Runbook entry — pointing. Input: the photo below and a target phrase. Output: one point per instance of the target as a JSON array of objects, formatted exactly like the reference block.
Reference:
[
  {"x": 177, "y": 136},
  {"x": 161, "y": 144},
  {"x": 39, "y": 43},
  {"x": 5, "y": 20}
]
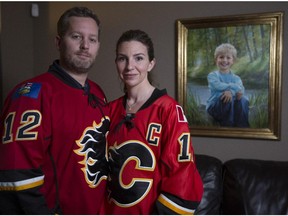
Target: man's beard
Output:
[{"x": 75, "y": 65}]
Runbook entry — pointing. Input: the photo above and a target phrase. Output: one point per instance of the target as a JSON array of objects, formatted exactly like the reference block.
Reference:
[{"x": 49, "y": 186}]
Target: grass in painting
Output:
[{"x": 258, "y": 111}]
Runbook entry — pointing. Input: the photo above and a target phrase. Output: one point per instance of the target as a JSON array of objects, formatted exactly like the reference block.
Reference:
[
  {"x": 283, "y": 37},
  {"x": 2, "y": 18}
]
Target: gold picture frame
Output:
[{"x": 197, "y": 40}]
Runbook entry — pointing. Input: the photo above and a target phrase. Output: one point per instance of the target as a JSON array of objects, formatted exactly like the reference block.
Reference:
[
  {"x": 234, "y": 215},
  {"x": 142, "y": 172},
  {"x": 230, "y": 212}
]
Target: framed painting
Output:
[{"x": 229, "y": 75}]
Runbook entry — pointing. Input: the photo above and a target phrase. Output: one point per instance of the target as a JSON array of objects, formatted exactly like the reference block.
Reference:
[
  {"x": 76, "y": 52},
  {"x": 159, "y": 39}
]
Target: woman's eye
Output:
[
  {"x": 139, "y": 58},
  {"x": 120, "y": 59}
]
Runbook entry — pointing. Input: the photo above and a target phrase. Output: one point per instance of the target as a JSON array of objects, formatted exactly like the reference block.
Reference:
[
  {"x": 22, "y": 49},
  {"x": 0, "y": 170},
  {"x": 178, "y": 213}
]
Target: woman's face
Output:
[{"x": 132, "y": 62}]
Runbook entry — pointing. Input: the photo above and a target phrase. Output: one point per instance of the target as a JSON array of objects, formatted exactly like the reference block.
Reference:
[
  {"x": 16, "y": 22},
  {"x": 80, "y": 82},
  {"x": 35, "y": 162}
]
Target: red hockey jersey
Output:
[
  {"x": 152, "y": 160},
  {"x": 53, "y": 147}
]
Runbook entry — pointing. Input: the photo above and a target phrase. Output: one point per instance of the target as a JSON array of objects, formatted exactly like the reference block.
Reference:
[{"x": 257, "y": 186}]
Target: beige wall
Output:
[{"x": 28, "y": 48}]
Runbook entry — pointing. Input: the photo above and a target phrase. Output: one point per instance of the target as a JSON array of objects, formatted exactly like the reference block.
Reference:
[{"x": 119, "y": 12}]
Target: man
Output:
[{"x": 53, "y": 129}]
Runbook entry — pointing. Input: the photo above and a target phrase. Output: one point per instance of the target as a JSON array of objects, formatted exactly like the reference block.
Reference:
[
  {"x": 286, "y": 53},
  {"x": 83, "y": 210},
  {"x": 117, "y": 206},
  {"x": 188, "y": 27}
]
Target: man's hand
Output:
[{"x": 226, "y": 96}]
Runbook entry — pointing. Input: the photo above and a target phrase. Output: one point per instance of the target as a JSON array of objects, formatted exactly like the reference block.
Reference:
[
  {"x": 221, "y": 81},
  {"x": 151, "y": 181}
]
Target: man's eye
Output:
[
  {"x": 93, "y": 40},
  {"x": 76, "y": 37}
]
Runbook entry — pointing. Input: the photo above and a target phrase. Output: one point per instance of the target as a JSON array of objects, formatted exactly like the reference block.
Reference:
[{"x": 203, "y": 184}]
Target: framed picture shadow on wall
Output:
[{"x": 229, "y": 75}]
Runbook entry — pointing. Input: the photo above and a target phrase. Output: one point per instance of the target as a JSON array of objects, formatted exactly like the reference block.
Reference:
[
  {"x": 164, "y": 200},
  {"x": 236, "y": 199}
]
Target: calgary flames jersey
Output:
[
  {"x": 52, "y": 152},
  {"x": 152, "y": 160}
]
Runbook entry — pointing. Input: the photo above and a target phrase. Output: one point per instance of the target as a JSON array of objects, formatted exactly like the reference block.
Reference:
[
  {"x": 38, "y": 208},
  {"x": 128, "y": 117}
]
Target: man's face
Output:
[{"x": 79, "y": 46}]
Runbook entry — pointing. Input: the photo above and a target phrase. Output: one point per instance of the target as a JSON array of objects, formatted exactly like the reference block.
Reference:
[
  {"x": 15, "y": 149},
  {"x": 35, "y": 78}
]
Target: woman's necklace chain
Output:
[
  {"x": 139, "y": 101},
  {"x": 131, "y": 106}
]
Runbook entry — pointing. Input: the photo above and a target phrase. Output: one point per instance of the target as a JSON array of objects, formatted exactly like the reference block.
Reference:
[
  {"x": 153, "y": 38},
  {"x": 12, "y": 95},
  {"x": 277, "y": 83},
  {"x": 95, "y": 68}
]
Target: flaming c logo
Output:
[{"x": 92, "y": 147}]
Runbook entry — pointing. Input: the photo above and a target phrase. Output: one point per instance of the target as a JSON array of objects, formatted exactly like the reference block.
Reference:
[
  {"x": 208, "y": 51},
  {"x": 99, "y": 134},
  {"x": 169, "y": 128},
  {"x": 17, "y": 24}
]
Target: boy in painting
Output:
[{"x": 227, "y": 104}]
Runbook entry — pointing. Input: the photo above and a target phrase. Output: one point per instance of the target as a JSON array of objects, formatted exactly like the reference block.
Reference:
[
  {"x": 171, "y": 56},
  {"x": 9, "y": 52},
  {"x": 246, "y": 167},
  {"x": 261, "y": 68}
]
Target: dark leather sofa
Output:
[{"x": 243, "y": 186}]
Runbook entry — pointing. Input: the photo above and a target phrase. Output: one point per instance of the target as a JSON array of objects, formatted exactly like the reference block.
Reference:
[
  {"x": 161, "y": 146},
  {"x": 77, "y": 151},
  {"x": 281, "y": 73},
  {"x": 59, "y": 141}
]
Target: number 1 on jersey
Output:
[{"x": 184, "y": 142}]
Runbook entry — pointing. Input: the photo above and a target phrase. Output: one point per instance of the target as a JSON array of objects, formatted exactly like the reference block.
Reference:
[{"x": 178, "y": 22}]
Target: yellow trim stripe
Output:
[
  {"x": 22, "y": 185},
  {"x": 174, "y": 207}
]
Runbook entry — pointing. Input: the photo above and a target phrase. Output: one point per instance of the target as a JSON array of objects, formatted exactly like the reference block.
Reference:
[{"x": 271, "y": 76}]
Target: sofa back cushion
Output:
[
  {"x": 255, "y": 187},
  {"x": 210, "y": 169}
]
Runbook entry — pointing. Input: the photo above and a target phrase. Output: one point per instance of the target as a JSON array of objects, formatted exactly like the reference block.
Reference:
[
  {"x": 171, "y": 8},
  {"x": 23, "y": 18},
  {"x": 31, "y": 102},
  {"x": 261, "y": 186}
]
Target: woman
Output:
[{"x": 150, "y": 151}]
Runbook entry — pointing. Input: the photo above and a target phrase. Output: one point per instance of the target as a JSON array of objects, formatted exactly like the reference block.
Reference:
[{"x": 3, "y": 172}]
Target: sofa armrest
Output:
[{"x": 210, "y": 170}]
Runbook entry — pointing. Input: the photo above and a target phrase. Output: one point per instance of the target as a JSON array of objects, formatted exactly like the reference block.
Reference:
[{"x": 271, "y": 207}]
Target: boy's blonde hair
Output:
[{"x": 224, "y": 49}]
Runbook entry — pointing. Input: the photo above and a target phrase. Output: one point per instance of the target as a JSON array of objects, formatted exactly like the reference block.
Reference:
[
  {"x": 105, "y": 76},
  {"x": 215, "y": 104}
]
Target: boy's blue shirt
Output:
[{"x": 219, "y": 82}]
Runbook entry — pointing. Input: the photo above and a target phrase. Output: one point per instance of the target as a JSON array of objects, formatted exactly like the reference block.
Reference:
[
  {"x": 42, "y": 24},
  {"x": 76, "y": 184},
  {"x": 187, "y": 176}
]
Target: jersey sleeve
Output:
[
  {"x": 181, "y": 188},
  {"x": 21, "y": 152}
]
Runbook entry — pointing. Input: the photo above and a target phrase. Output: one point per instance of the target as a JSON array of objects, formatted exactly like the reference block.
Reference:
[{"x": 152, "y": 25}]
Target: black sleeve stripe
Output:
[
  {"x": 164, "y": 200},
  {"x": 22, "y": 185}
]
